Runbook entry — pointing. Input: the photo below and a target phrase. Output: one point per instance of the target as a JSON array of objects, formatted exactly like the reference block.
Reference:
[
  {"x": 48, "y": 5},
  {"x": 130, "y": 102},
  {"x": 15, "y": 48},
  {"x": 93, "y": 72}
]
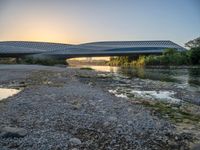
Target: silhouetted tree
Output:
[{"x": 193, "y": 43}]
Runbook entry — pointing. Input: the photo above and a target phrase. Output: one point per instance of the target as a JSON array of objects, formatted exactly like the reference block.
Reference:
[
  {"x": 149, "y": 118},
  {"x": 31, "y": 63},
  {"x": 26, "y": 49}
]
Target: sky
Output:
[{"x": 79, "y": 21}]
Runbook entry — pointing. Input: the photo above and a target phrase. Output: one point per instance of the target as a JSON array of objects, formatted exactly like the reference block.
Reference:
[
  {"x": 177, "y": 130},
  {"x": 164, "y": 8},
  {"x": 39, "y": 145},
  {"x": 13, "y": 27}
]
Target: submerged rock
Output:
[
  {"x": 196, "y": 147},
  {"x": 11, "y": 132}
]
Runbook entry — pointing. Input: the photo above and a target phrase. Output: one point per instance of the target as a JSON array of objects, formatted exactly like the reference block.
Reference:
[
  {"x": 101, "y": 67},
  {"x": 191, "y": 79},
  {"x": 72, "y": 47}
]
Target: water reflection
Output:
[
  {"x": 101, "y": 68},
  {"x": 153, "y": 74},
  {"x": 5, "y": 93},
  {"x": 186, "y": 78},
  {"x": 194, "y": 77}
]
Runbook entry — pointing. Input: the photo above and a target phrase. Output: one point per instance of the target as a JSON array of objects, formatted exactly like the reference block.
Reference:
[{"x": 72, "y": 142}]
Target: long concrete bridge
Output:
[{"x": 108, "y": 48}]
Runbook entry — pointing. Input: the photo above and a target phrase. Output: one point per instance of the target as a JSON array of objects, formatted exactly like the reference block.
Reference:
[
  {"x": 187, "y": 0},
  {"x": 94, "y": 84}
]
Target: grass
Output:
[{"x": 175, "y": 114}]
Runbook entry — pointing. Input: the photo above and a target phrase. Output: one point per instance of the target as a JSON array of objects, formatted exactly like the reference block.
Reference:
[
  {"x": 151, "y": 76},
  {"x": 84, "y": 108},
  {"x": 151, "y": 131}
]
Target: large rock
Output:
[{"x": 11, "y": 132}]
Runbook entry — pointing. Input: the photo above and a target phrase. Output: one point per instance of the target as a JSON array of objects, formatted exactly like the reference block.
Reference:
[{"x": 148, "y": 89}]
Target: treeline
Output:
[
  {"x": 170, "y": 57},
  {"x": 43, "y": 61},
  {"x": 34, "y": 60},
  {"x": 174, "y": 58}
]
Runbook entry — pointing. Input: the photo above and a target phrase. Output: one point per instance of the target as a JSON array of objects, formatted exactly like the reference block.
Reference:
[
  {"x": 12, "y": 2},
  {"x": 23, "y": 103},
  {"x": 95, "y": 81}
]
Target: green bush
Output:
[
  {"x": 169, "y": 57},
  {"x": 169, "y": 51},
  {"x": 194, "y": 55},
  {"x": 178, "y": 58},
  {"x": 86, "y": 68}
]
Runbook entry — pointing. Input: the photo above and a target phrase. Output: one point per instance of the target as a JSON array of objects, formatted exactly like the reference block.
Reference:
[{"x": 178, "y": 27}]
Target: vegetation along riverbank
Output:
[{"x": 170, "y": 57}]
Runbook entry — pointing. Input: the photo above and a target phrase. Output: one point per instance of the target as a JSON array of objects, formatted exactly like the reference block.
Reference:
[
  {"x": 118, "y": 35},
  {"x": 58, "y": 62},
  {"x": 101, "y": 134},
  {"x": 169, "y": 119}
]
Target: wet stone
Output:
[
  {"x": 75, "y": 141},
  {"x": 112, "y": 119},
  {"x": 12, "y": 132},
  {"x": 196, "y": 147}
]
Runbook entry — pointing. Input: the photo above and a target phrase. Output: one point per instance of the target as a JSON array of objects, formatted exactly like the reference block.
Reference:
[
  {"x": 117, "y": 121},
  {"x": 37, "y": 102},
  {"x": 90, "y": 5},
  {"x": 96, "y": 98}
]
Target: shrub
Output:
[
  {"x": 86, "y": 68},
  {"x": 140, "y": 62},
  {"x": 152, "y": 60},
  {"x": 169, "y": 57},
  {"x": 120, "y": 61},
  {"x": 169, "y": 51},
  {"x": 194, "y": 55}
]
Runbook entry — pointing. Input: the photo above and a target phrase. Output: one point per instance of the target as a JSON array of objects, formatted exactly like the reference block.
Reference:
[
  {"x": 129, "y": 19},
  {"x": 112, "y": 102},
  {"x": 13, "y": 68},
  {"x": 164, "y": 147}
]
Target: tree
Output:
[
  {"x": 193, "y": 43},
  {"x": 169, "y": 51},
  {"x": 194, "y": 52},
  {"x": 195, "y": 55}
]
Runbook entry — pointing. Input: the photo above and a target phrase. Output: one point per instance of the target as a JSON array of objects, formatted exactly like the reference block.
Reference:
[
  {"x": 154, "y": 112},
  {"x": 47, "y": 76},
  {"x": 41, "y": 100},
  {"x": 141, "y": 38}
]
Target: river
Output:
[{"x": 172, "y": 85}]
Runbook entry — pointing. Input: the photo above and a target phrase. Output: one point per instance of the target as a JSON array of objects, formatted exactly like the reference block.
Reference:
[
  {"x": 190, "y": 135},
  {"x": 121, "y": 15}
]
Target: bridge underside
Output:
[
  {"x": 136, "y": 54},
  {"x": 75, "y": 55}
]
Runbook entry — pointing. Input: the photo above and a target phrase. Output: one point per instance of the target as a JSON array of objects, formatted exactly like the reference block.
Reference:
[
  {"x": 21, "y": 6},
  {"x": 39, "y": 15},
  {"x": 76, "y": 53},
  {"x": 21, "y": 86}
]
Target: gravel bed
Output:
[{"x": 59, "y": 112}]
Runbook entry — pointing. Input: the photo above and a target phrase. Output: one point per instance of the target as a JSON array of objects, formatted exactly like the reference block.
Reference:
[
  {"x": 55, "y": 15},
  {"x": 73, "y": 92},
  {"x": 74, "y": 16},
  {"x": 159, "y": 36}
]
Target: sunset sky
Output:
[{"x": 78, "y": 21}]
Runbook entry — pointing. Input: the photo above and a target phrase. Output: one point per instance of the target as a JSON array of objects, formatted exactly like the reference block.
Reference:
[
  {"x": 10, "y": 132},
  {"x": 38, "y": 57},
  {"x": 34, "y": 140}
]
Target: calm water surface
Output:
[
  {"x": 186, "y": 79},
  {"x": 190, "y": 78},
  {"x": 5, "y": 93}
]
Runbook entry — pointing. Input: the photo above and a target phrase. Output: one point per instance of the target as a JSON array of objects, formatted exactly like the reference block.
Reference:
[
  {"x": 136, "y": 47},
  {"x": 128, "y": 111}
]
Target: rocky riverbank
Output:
[{"x": 65, "y": 108}]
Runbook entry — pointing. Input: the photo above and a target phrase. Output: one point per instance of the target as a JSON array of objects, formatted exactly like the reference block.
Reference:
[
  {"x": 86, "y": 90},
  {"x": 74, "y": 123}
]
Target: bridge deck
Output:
[{"x": 113, "y": 48}]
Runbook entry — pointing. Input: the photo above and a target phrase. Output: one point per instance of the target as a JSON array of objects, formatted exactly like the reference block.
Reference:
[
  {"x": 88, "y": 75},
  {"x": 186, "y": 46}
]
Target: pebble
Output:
[
  {"x": 75, "y": 141},
  {"x": 106, "y": 124},
  {"x": 130, "y": 122},
  {"x": 112, "y": 119},
  {"x": 74, "y": 149}
]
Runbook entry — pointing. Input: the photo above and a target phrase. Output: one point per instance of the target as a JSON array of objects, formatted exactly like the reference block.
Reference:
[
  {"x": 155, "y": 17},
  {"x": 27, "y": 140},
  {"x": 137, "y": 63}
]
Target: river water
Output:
[
  {"x": 5, "y": 93},
  {"x": 162, "y": 84}
]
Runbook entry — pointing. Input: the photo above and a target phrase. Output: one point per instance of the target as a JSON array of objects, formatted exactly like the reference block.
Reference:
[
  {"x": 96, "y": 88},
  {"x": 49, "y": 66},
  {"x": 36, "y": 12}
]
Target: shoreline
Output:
[
  {"x": 60, "y": 109},
  {"x": 78, "y": 63},
  {"x": 161, "y": 67}
]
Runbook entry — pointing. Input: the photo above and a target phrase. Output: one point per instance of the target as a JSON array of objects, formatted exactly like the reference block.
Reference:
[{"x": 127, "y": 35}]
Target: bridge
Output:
[{"x": 107, "y": 48}]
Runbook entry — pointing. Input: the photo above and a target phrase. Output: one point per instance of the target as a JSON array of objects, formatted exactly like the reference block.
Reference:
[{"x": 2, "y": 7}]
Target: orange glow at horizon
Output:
[
  {"x": 41, "y": 35},
  {"x": 43, "y": 32},
  {"x": 41, "y": 28}
]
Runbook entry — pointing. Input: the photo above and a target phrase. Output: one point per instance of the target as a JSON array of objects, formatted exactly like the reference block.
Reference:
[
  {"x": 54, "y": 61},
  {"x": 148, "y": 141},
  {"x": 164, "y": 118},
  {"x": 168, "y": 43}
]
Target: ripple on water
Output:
[
  {"x": 5, "y": 93},
  {"x": 157, "y": 95}
]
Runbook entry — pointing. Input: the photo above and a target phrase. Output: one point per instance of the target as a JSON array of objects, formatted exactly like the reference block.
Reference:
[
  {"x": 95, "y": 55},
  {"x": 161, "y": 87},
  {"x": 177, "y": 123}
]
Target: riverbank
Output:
[
  {"x": 66, "y": 108},
  {"x": 173, "y": 67}
]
